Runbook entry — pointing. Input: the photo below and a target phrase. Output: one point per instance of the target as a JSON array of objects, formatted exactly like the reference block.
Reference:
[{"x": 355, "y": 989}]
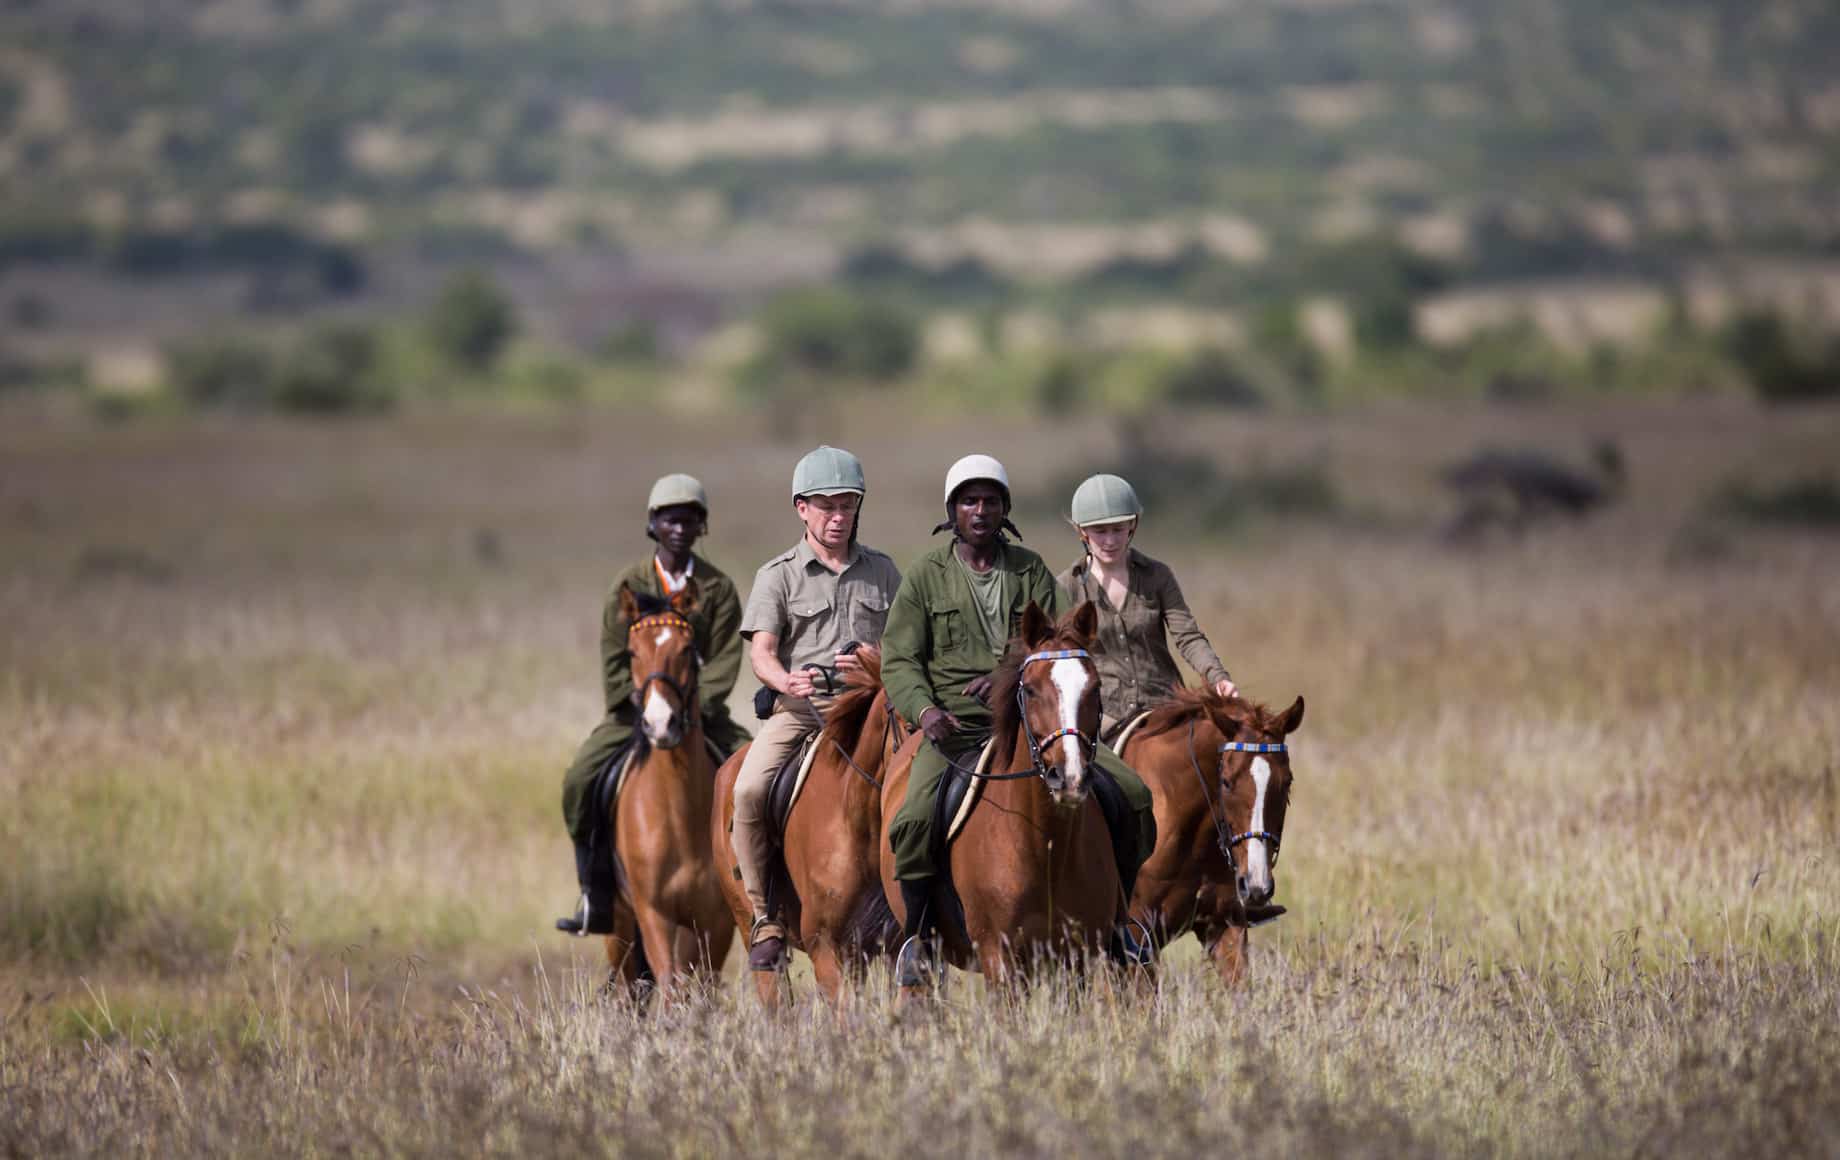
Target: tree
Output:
[{"x": 471, "y": 321}]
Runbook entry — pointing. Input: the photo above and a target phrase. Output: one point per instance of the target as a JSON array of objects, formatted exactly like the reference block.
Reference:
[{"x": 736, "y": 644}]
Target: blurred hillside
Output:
[{"x": 1622, "y": 160}]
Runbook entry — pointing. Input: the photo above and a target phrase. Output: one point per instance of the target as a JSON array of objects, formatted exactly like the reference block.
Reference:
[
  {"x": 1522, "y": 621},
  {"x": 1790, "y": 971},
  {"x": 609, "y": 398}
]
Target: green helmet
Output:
[
  {"x": 676, "y": 489},
  {"x": 828, "y": 471},
  {"x": 1105, "y": 499}
]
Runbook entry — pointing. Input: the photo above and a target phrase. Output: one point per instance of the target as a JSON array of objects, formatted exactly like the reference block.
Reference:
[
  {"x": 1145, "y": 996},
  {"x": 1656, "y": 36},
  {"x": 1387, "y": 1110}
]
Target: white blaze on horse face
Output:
[
  {"x": 657, "y": 715},
  {"x": 1258, "y": 857},
  {"x": 1070, "y": 679},
  {"x": 664, "y": 637}
]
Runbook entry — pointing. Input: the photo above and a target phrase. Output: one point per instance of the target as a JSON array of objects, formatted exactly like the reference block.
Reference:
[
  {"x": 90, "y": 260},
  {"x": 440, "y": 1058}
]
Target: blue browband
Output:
[
  {"x": 1065, "y": 654},
  {"x": 1254, "y": 747}
]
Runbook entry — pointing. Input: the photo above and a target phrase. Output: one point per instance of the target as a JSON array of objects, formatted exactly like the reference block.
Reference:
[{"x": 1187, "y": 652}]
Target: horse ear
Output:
[
  {"x": 1084, "y": 622},
  {"x": 1036, "y": 627},
  {"x": 684, "y": 600},
  {"x": 629, "y": 607},
  {"x": 1292, "y": 718}
]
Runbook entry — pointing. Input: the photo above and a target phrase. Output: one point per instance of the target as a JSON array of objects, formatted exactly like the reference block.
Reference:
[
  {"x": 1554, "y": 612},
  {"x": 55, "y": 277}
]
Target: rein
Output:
[{"x": 1088, "y": 745}]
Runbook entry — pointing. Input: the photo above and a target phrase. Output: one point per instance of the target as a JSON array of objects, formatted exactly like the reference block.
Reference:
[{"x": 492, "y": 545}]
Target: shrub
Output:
[
  {"x": 333, "y": 370},
  {"x": 1812, "y": 502},
  {"x": 1784, "y": 362},
  {"x": 221, "y": 372},
  {"x": 472, "y": 321},
  {"x": 827, "y": 334}
]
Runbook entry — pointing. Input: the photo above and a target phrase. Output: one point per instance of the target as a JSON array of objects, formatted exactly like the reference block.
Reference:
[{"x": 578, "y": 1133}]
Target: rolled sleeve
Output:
[{"x": 766, "y": 603}]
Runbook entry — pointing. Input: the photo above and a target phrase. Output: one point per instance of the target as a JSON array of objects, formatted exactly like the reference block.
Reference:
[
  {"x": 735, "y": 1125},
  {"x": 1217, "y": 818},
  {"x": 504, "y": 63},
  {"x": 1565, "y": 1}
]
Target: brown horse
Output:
[
  {"x": 1033, "y": 866},
  {"x": 1220, "y": 773},
  {"x": 661, "y": 811},
  {"x": 830, "y": 893}
]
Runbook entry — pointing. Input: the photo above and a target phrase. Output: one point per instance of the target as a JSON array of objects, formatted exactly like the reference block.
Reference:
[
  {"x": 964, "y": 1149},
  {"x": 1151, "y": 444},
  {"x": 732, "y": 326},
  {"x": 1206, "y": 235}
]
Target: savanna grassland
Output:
[{"x": 284, "y": 707}]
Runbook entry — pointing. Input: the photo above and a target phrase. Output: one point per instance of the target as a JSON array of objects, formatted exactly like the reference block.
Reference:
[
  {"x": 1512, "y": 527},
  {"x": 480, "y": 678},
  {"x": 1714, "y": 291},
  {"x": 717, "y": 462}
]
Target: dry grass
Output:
[{"x": 280, "y": 743}]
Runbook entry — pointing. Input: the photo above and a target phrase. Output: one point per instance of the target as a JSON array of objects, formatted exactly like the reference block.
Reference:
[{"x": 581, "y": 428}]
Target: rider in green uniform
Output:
[
  {"x": 950, "y": 622},
  {"x": 677, "y": 515}
]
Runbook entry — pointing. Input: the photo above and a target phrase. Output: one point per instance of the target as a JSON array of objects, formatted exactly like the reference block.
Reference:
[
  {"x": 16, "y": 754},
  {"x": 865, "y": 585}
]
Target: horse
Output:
[
  {"x": 662, "y": 805},
  {"x": 1219, "y": 772},
  {"x": 829, "y": 891},
  {"x": 1033, "y": 867}
]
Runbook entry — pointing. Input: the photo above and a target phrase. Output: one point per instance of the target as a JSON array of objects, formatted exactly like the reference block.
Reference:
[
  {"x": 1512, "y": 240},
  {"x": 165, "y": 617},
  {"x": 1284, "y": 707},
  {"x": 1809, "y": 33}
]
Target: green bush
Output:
[
  {"x": 471, "y": 321},
  {"x": 333, "y": 370},
  {"x": 828, "y": 334},
  {"x": 1813, "y": 502},
  {"x": 1784, "y": 362},
  {"x": 232, "y": 373}
]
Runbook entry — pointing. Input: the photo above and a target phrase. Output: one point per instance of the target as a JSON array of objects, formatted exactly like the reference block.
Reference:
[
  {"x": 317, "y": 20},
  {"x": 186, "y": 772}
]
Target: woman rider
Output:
[
  {"x": 677, "y": 515},
  {"x": 1140, "y": 606}
]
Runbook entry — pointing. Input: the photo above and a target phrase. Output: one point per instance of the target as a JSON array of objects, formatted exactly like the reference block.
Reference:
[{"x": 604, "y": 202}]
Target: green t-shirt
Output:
[{"x": 987, "y": 596}]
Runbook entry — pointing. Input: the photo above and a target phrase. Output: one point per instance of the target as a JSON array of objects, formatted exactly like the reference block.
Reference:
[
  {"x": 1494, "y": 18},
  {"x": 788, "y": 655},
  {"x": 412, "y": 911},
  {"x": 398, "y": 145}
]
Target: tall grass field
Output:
[{"x": 284, "y": 710}]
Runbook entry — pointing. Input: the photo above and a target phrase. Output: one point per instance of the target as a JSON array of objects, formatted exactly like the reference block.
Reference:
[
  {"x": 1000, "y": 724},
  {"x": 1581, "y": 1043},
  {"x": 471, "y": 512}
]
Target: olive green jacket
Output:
[
  {"x": 716, "y": 619},
  {"x": 1131, "y": 649},
  {"x": 934, "y": 644}
]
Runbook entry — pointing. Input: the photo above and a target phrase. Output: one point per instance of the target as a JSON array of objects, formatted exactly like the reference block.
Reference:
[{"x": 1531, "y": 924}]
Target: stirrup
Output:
[
  {"x": 588, "y": 919},
  {"x": 915, "y": 964}
]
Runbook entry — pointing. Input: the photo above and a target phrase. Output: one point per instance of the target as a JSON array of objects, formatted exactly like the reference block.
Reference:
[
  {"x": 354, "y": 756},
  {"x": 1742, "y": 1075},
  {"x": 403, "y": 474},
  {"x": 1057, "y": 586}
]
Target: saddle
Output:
[
  {"x": 788, "y": 780},
  {"x": 961, "y": 789}
]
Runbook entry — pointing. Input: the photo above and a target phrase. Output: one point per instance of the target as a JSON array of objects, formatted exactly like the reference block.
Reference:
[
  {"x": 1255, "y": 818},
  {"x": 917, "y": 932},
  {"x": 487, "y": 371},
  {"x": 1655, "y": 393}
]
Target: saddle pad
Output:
[
  {"x": 973, "y": 791},
  {"x": 1124, "y": 735}
]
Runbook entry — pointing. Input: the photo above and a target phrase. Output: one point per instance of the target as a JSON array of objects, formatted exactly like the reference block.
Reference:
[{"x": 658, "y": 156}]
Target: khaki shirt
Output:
[
  {"x": 815, "y": 611},
  {"x": 1131, "y": 649}
]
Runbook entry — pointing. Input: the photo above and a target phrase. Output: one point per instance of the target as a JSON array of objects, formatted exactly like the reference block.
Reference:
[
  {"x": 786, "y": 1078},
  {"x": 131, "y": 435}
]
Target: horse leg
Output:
[
  {"x": 833, "y": 976},
  {"x": 661, "y": 946},
  {"x": 1229, "y": 950}
]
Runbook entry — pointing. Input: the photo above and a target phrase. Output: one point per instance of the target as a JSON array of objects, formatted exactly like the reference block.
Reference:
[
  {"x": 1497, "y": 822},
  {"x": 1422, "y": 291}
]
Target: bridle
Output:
[
  {"x": 1089, "y": 746},
  {"x": 1228, "y": 841},
  {"x": 686, "y": 697}
]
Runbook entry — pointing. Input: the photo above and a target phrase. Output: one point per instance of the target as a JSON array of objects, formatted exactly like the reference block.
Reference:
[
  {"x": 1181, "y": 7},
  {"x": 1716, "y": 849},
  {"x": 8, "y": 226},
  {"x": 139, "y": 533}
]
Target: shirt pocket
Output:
[
  {"x": 948, "y": 627},
  {"x": 871, "y": 616},
  {"x": 811, "y": 618}
]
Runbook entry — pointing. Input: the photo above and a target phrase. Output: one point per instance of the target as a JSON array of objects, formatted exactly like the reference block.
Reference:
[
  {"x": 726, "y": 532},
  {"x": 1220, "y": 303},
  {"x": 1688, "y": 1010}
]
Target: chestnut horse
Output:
[
  {"x": 1219, "y": 771},
  {"x": 661, "y": 812},
  {"x": 1033, "y": 867},
  {"x": 830, "y": 896}
]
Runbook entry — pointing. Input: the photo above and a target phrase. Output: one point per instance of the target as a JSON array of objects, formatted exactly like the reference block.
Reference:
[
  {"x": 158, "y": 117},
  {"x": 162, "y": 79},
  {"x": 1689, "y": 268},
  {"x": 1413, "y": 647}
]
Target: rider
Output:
[
  {"x": 677, "y": 514},
  {"x": 1140, "y": 605},
  {"x": 952, "y": 619},
  {"x": 807, "y": 605}
]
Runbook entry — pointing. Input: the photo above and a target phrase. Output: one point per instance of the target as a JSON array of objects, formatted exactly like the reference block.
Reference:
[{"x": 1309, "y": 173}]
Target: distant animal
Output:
[
  {"x": 1515, "y": 488},
  {"x": 1033, "y": 869},
  {"x": 830, "y": 871},
  {"x": 662, "y": 804},
  {"x": 1219, "y": 770}
]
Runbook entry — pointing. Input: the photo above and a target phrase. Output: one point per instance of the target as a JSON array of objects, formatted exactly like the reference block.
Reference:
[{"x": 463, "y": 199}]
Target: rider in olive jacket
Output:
[{"x": 948, "y": 626}]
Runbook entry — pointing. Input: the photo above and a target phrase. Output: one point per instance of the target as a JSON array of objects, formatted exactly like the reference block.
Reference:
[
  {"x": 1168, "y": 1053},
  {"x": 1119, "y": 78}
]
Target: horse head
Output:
[
  {"x": 1056, "y": 698},
  {"x": 1255, "y": 789},
  {"x": 663, "y": 647}
]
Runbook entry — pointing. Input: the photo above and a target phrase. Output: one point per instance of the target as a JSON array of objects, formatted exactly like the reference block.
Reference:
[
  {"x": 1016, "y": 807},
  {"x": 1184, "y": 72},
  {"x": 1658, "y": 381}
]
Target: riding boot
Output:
[
  {"x": 766, "y": 944},
  {"x": 594, "y": 913},
  {"x": 914, "y": 966}
]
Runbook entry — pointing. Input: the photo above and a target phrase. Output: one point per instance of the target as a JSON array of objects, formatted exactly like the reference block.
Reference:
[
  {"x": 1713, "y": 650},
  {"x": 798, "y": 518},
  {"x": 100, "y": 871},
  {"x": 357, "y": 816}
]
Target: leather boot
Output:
[
  {"x": 766, "y": 944},
  {"x": 915, "y": 965},
  {"x": 594, "y": 913}
]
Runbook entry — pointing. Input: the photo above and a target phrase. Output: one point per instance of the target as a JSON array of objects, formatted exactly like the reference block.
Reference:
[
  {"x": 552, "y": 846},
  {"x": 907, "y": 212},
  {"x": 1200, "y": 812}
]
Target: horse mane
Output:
[
  {"x": 648, "y": 604},
  {"x": 1228, "y": 714},
  {"x": 850, "y": 711}
]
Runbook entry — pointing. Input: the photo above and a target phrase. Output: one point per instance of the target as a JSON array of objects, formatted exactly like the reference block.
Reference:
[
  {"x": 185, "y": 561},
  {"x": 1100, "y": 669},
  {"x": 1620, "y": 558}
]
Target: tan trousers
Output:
[{"x": 794, "y": 720}]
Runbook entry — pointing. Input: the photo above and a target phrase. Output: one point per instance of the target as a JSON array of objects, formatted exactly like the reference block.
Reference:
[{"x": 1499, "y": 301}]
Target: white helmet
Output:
[{"x": 974, "y": 467}]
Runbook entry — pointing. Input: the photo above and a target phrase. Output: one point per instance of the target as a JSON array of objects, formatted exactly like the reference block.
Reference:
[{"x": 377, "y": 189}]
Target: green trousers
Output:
[
  {"x": 614, "y": 731},
  {"x": 911, "y": 834}
]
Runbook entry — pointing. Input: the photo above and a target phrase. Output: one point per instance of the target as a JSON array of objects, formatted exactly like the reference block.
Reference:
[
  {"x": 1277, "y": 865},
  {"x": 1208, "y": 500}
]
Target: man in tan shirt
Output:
[{"x": 808, "y": 603}]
